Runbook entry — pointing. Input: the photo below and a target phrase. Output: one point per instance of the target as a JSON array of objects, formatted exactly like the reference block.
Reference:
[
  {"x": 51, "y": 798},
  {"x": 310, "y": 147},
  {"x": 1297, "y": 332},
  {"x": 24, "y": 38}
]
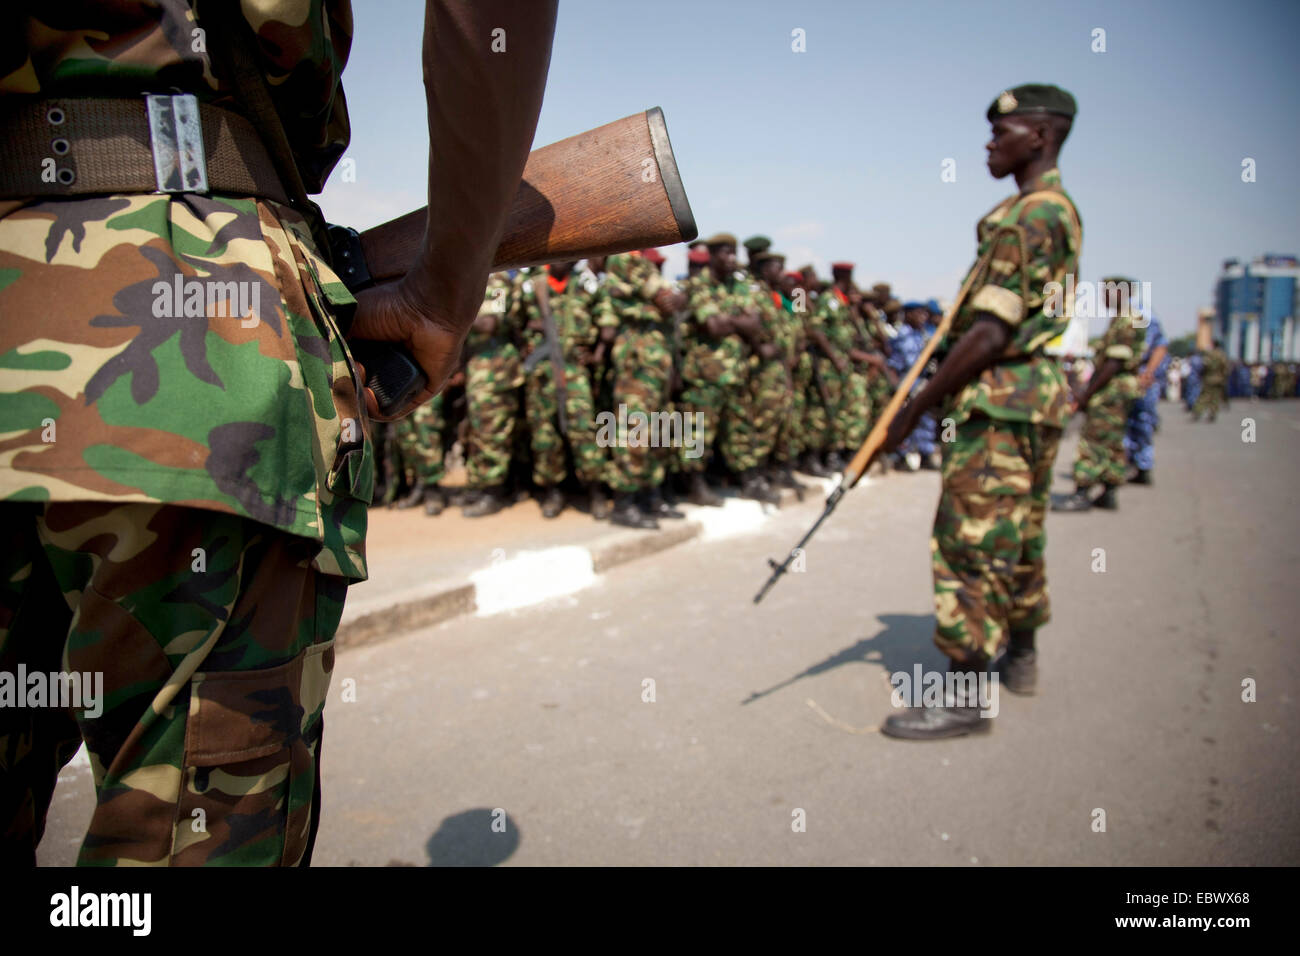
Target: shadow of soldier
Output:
[
  {"x": 478, "y": 837},
  {"x": 903, "y": 641}
]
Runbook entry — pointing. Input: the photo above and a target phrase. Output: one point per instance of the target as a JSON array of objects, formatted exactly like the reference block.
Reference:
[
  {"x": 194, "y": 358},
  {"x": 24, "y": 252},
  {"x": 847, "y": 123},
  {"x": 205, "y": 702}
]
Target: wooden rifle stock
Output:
[
  {"x": 610, "y": 189},
  {"x": 607, "y": 190}
]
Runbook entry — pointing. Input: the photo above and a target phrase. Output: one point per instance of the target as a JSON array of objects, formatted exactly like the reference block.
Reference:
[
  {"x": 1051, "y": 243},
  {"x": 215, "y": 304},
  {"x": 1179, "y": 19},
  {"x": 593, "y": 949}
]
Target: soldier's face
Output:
[
  {"x": 722, "y": 260},
  {"x": 771, "y": 271},
  {"x": 1014, "y": 143}
]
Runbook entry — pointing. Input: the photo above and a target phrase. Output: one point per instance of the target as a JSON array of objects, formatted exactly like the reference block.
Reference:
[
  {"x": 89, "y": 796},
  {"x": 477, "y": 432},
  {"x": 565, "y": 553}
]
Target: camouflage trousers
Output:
[
  {"x": 213, "y": 638},
  {"x": 988, "y": 544},
  {"x": 643, "y": 369},
  {"x": 1100, "y": 455},
  {"x": 715, "y": 406},
  {"x": 542, "y": 401},
  {"x": 853, "y": 415},
  {"x": 767, "y": 403},
  {"x": 492, "y": 383},
  {"x": 822, "y": 406},
  {"x": 790, "y": 436},
  {"x": 1208, "y": 400},
  {"x": 879, "y": 391},
  {"x": 419, "y": 442}
]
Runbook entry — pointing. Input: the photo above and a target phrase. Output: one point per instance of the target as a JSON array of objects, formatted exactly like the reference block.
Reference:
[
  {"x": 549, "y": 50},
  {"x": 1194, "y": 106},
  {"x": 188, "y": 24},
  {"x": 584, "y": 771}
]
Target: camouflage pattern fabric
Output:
[
  {"x": 823, "y": 403},
  {"x": 65, "y": 48},
  {"x": 989, "y": 542},
  {"x": 419, "y": 443},
  {"x": 1100, "y": 454},
  {"x": 494, "y": 373},
  {"x": 214, "y": 637},
  {"x": 1025, "y": 242},
  {"x": 1213, "y": 378},
  {"x": 768, "y": 386}
]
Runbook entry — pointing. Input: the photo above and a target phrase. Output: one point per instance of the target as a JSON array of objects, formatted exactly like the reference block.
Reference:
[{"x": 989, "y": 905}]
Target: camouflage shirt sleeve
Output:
[{"x": 1024, "y": 259}]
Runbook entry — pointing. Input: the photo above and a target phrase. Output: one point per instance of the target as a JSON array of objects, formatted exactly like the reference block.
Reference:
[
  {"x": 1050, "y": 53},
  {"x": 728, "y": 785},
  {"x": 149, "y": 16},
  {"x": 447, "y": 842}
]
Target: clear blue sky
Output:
[{"x": 836, "y": 153}]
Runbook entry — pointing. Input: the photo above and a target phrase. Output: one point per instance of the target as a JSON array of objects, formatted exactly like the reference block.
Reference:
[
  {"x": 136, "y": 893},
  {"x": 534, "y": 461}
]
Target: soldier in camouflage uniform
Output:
[
  {"x": 570, "y": 305},
  {"x": 768, "y": 396},
  {"x": 725, "y": 330},
  {"x": 1009, "y": 402},
  {"x": 494, "y": 373},
  {"x": 420, "y": 456},
  {"x": 1213, "y": 378},
  {"x": 1110, "y": 393},
  {"x": 633, "y": 309},
  {"x": 846, "y": 383},
  {"x": 788, "y": 445},
  {"x": 186, "y": 469}
]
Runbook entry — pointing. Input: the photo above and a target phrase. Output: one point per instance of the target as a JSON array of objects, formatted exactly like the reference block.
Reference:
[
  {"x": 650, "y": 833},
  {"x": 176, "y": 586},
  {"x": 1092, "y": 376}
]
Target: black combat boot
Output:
[
  {"x": 627, "y": 513},
  {"x": 1018, "y": 667},
  {"x": 552, "y": 502},
  {"x": 489, "y": 502},
  {"x": 1107, "y": 499},
  {"x": 600, "y": 503},
  {"x": 700, "y": 493},
  {"x": 811, "y": 465},
  {"x": 958, "y": 717},
  {"x": 1079, "y": 501},
  {"x": 411, "y": 498},
  {"x": 655, "y": 506},
  {"x": 1143, "y": 477},
  {"x": 434, "y": 500},
  {"x": 753, "y": 486},
  {"x": 931, "y": 462}
]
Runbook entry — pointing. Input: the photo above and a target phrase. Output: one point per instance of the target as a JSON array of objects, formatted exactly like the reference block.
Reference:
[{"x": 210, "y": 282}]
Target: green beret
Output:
[
  {"x": 756, "y": 244},
  {"x": 721, "y": 239},
  {"x": 1032, "y": 98},
  {"x": 761, "y": 257}
]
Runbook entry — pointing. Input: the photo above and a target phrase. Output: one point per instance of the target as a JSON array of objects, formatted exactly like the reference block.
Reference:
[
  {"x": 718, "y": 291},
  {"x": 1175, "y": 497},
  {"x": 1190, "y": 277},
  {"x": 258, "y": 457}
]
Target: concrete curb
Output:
[{"x": 377, "y": 620}]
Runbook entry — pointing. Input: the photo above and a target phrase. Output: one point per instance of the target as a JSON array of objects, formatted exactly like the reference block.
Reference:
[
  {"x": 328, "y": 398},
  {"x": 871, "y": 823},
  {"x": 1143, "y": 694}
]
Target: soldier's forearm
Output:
[
  {"x": 482, "y": 114},
  {"x": 975, "y": 351},
  {"x": 1109, "y": 369}
]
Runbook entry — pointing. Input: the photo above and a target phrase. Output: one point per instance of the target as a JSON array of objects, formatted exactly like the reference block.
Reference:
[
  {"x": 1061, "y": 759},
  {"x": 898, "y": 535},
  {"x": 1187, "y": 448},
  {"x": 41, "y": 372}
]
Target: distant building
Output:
[{"x": 1255, "y": 308}]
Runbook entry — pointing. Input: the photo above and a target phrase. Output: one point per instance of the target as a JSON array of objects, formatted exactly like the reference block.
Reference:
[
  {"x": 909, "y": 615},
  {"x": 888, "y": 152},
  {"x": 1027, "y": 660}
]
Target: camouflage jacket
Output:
[
  {"x": 1025, "y": 242},
  {"x": 500, "y": 300},
  {"x": 627, "y": 292},
  {"x": 571, "y": 307},
  {"x": 719, "y": 360},
  {"x": 66, "y": 48},
  {"x": 1124, "y": 341},
  {"x": 832, "y": 317},
  {"x": 1214, "y": 368},
  {"x": 182, "y": 348}
]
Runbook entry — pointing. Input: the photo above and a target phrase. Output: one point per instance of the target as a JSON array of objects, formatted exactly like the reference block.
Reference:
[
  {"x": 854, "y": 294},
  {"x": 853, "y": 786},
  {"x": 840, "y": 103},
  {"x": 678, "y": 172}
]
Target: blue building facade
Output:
[{"x": 1255, "y": 306}]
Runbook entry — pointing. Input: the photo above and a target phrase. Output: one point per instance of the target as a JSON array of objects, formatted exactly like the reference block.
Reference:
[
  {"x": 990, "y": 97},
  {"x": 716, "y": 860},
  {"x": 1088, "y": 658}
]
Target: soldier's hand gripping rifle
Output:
[
  {"x": 858, "y": 466},
  {"x": 611, "y": 189}
]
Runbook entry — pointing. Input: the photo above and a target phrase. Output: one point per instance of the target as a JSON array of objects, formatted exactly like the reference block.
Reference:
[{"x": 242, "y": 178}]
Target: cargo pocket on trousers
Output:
[{"x": 249, "y": 769}]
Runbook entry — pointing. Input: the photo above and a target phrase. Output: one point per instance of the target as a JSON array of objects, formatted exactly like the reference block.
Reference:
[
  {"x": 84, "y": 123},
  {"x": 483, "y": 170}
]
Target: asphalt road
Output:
[{"x": 535, "y": 722}]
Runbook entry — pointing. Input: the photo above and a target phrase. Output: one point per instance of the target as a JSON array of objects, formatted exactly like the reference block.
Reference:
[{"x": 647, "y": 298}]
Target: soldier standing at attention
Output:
[
  {"x": 494, "y": 373},
  {"x": 1009, "y": 402},
  {"x": 184, "y": 497},
  {"x": 1213, "y": 378},
  {"x": 419, "y": 443},
  {"x": 846, "y": 384},
  {"x": 575, "y": 333},
  {"x": 1111, "y": 389},
  {"x": 1144, "y": 415}
]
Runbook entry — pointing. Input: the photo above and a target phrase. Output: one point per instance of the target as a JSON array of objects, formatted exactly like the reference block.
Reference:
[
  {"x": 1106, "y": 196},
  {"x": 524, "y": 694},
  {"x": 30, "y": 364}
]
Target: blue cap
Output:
[{"x": 933, "y": 306}]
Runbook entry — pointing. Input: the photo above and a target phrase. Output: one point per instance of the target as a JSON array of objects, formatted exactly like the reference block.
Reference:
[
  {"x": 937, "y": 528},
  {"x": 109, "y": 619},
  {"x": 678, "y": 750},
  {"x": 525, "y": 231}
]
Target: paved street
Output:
[{"x": 759, "y": 712}]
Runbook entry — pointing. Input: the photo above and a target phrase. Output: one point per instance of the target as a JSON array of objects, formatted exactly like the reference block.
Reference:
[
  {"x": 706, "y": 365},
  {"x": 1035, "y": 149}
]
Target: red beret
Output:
[
  {"x": 698, "y": 256},
  {"x": 796, "y": 276},
  {"x": 841, "y": 267},
  {"x": 654, "y": 255}
]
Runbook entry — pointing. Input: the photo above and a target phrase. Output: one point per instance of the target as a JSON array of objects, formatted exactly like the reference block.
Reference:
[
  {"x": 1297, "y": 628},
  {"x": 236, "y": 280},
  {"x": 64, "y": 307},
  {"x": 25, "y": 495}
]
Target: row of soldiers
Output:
[{"x": 650, "y": 387}]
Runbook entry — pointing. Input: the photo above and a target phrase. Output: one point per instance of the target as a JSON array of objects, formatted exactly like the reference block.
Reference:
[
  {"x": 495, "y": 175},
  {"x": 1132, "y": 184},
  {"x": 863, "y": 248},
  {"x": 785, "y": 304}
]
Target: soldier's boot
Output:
[
  {"x": 653, "y": 504},
  {"x": 435, "y": 500},
  {"x": 411, "y": 498},
  {"x": 1018, "y": 668},
  {"x": 489, "y": 502},
  {"x": 782, "y": 476},
  {"x": 626, "y": 512},
  {"x": 753, "y": 486},
  {"x": 1143, "y": 477},
  {"x": 834, "y": 463},
  {"x": 552, "y": 502},
  {"x": 810, "y": 465},
  {"x": 1079, "y": 501},
  {"x": 1107, "y": 499},
  {"x": 958, "y": 717},
  {"x": 700, "y": 493},
  {"x": 932, "y": 462},
  {"x": 600, "y": 503}
]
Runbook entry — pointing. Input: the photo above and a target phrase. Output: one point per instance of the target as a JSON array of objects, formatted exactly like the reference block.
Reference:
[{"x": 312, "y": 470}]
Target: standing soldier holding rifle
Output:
[{"x": 1010, "y": 403}]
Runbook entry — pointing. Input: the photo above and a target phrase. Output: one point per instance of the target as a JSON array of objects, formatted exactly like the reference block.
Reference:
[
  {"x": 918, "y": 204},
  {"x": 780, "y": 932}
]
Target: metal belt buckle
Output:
[{"x": 180, "y": 163}]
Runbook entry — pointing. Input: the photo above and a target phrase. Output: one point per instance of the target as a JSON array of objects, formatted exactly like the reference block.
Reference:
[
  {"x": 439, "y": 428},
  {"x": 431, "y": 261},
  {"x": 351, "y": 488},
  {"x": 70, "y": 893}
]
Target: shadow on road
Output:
[
  {"x": 905, "y": 640},
  {"x": 479, "y": 837}
]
